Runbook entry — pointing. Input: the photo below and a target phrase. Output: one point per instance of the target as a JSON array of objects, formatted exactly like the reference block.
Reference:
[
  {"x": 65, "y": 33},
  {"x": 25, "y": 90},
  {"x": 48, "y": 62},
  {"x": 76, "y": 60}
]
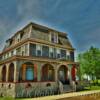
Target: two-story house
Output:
[{"x": 37, "y": 61}]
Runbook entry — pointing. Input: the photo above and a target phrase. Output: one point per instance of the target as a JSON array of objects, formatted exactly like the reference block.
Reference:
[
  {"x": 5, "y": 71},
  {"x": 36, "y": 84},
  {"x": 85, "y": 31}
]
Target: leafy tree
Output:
[{"x": 90, "y": 63}]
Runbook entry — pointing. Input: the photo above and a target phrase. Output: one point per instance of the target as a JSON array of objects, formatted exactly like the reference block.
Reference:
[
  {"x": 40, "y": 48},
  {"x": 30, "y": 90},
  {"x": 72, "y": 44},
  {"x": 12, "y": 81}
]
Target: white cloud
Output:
[{"x": 29, "y": 9}]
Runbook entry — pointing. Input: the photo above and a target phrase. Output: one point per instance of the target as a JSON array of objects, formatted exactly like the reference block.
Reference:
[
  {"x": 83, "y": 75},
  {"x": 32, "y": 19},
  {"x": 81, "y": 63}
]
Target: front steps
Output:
[{"x": 67, "y": 88}]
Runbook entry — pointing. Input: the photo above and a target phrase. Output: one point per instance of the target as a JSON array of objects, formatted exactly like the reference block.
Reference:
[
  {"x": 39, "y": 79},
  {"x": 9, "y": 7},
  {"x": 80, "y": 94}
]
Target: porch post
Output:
[
  {"x": 70, "y": 76},
  {"x": 56, "y": 74},
  {"x": 15, "y": 72},
  {"x": 39, "y": 73},
  {"x": 23, "y": 72},
  {"x": 35, "y": 72},
  {"x": 7, "y": 72},
  {"x": 1, "y": 73}
]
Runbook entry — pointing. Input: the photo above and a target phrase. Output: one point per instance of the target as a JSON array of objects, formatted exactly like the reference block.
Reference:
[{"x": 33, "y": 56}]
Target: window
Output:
[
  {"x": 68, "y": 54},
  {"x": 38, "y": 52},
  {"x": 38, "y": 47},
  {"x": 21, "y": 34},
  {"x": 32, "y": 49},
  {"x": 45, "y": 51},
  {"x": 12, "y": 52},
  {"x": 63, "y": 54},
  {"x": 18, "y": 51},
  {"x": 72, "y": 55},
  {"x": 23, "y": 53},
  {"x": 51, "y": 52},
  {"x": 54, "y": 38},
  {"x": 7, "y": 55},
  {"x": 58, "y": 53},
  {"x": 0, "y": 57},
  {"x": 18, "y": 40}
]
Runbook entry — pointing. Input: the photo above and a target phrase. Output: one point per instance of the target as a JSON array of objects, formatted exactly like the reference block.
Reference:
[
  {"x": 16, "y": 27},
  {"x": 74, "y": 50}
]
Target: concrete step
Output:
[{"x": 67, "y": 88}]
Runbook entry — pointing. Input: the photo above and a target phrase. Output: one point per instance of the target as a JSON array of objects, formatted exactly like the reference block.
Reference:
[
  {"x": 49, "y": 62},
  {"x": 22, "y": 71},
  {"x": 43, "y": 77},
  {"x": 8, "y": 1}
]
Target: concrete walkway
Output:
[{"x": 68, "y": 95}]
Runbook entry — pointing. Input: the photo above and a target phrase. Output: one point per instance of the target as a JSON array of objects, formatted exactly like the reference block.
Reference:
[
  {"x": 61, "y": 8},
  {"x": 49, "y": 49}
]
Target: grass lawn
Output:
[
  {"x": 6, "y": 98},
  {"x": 9, "y": 98},
  {"x": 93, "y": 88}
]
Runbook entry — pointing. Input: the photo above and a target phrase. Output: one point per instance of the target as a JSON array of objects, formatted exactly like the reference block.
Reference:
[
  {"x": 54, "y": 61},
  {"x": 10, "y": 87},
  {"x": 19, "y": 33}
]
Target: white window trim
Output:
[{"x": 38, "y": 47}]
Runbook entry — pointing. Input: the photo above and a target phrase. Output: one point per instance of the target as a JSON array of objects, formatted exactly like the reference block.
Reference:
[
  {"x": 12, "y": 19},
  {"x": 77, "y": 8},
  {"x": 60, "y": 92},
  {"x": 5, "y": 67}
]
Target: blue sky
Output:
[{"x": 80, "y": 19}]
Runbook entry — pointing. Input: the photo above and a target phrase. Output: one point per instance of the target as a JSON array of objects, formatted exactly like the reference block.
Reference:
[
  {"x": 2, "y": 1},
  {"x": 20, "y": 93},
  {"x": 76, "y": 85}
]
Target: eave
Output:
[{"x": 33, "y": 40}]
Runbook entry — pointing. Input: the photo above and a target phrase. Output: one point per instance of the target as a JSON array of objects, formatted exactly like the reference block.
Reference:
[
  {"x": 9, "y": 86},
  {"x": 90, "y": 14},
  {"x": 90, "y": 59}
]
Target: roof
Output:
[{"x": 42, "y": 27}]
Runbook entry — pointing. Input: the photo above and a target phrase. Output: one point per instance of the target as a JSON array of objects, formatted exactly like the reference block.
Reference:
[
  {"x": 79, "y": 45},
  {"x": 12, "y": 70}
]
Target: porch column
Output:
[
  {"x": 70, "y": 76},
  {"x": 35, "y": 72},
  {"x": 15, "y": 72},
  {"x": 24, "y": 72},
  {"x": 1, "y": 73},
  {"x": 7, "y": 72},
  {"x": 56, "y": 74},
  {"x": 39, "y": 74},
  {"x": 72, "y": 83}
]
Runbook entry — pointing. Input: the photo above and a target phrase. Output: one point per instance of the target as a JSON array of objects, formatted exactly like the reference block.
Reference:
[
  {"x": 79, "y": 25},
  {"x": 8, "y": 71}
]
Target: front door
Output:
[{"x": 29, "y": 74}]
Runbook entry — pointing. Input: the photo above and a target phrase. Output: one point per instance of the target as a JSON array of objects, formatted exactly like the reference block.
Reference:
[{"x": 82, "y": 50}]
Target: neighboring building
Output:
[{"x": 37, "y": 61}]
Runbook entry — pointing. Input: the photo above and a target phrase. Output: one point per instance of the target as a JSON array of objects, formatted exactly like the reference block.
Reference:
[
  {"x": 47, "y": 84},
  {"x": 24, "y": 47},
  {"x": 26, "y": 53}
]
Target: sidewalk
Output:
[{"x": 67, "y": 95}]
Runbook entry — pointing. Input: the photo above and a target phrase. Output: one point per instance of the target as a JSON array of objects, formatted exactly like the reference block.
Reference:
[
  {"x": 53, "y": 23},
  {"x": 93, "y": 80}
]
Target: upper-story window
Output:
[
  {"x": 18, "y": 51},
  {"x": 58, "y": 53},
  {"x": 72, "y": 56},
  {"x": 17, "y": 38},
  {"x": 32, "y": 49},
  {"x": 54, "y": 38},
  {"x": 51, "y": 52},
  {"x": 38, "y": 48},
  {"x": 45, "y": 51},
  {"x": 68, "y": 54},
  {"x": 21, "y": 34},
  {"x": 63, "y": 54},
  {"x": 12, "y": 53},
  {"x": 0, "y": 57}
]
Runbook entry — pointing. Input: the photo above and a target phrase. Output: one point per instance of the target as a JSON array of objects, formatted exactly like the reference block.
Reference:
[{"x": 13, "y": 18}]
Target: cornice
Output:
[{"x": 38, "y": 59}]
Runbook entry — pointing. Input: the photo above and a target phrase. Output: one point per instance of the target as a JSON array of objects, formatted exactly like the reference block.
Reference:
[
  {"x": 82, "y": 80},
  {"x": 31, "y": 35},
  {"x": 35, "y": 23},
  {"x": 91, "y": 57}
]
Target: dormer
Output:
[
  {"x": 53, "y": 37},
  {"x": 9, "y": 42}
]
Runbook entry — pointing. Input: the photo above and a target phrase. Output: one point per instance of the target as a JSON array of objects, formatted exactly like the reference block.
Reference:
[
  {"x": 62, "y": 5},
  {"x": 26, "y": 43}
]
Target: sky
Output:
[{"x": 80, "y": 19}]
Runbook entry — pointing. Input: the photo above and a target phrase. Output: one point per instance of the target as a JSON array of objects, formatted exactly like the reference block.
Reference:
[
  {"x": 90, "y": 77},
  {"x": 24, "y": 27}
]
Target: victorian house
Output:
[{"x": 37, "y": 61}]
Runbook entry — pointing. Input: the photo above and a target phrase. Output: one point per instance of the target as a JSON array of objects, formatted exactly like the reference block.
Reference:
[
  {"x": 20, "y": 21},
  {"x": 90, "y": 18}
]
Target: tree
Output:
[{"x": 90, "y": 63}]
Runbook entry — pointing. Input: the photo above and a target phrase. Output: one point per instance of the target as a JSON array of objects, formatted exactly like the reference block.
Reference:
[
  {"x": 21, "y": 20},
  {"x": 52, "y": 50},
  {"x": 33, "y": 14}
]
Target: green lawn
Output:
[
  {"x": 6, "y": 98},
  {"x": 93, "y": 88}
]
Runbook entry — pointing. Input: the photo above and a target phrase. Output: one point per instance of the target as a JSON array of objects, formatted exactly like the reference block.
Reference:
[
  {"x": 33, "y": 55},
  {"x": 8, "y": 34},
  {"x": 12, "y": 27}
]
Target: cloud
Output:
[
  {"x": 80, "y": 19},
  {"x": 29, "y": 9}
]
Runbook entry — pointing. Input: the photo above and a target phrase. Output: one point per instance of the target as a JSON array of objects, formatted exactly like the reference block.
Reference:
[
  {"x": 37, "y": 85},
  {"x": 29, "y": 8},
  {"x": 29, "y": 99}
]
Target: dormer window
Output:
[
  {"x": 18, "y": 38},
  {"x": 54, "y": 38},
  {"x": 21, "y": 34}
]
